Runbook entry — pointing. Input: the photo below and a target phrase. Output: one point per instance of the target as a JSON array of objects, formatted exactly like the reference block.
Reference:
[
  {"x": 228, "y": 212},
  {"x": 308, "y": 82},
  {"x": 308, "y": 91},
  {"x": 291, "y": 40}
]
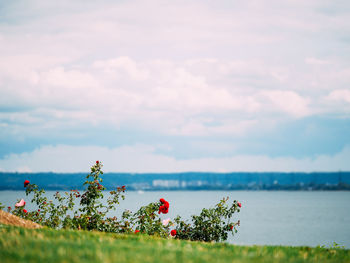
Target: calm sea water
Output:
[{"x": 267, "y": 218}]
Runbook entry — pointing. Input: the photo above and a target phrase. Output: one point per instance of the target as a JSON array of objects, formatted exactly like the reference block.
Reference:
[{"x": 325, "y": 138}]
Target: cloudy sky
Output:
[{"x": 168, "y": 86}]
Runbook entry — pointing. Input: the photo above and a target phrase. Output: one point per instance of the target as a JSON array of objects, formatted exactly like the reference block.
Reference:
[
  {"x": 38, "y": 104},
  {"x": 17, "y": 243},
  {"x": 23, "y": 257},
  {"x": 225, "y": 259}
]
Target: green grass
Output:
[{"x": 48, "y": 245}]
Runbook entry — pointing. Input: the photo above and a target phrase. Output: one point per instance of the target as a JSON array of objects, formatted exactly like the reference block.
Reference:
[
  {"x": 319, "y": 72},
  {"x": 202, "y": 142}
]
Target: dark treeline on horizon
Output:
[{"x": 185, "y": 181}]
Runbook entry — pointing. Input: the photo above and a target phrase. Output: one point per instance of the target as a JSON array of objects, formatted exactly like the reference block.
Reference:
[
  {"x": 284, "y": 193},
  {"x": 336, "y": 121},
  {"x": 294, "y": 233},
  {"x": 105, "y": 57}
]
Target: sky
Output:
[{"x": 170, "y": 86}]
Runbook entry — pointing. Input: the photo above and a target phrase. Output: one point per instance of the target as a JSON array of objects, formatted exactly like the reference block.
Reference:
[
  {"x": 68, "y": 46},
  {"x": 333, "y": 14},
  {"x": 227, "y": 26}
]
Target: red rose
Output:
[
  {"x": 164, "y": 202},
  {"x": 38, "y": 210},
  {"x": 97, "y": 162},
  {"x": 25, "y": 211},
  {"x": 173, "y": 232},
  {"x": 137, "y": 231},
  {"x": 239, "y": 204},
  {"x": 231, "y": 227},
  {"x": 163, "y": 209},
  {"x": 26, "y": 182}
]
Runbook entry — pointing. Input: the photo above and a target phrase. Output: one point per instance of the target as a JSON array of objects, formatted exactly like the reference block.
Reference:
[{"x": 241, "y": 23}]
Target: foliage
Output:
[
  {"x": 147, "y": 221},
  {"x": 212, "y": 224},
  {"x": 47, "y": 245}
]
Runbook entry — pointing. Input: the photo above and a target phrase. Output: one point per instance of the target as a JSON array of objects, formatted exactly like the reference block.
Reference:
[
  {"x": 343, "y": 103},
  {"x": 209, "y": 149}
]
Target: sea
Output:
[{"x": 293, "y": 218}]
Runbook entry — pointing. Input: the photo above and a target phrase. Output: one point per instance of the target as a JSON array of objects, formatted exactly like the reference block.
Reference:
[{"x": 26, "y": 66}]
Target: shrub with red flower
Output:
[{"x": 213, "y": 224}]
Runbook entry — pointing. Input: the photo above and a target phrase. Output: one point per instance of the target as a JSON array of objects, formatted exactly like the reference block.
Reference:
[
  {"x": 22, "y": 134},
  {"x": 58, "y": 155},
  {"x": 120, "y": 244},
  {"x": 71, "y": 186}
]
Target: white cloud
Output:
[
  {"x": 122, "y": 65},
  {"x": 337, "y": 102},
  {"x": 340, "y": 95},
  {"x": 171, "y": 95},
  {"x": 288, "y": 101},
  {"x": 73, "y": 79},
  {"x": 315, "y": 61},
  {"x": 143, "y": 158},
  {"x": 206, "y": 128}
]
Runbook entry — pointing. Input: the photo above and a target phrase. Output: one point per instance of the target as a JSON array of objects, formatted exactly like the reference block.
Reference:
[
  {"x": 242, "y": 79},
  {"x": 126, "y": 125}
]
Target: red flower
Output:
[
  {"x": 164, "y": 202},
  {"x": 26, "y": 182},
  {"x": 97, "y": 162},
  {"x": 173, "y": 232},
  {"x": 137, "y": 231},
  {"x": 38, "y": 210},
  {"x": 231, "y": 227},
  {"x": 25, "y": 211},
  {"x": 163, "y": 209},
  {"x": 239, "y": 204}
]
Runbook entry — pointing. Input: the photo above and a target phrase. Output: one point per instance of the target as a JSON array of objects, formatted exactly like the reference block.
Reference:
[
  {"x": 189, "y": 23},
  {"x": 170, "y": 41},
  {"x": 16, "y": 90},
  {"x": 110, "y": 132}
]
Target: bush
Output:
[{"x": 213, "y": 224}]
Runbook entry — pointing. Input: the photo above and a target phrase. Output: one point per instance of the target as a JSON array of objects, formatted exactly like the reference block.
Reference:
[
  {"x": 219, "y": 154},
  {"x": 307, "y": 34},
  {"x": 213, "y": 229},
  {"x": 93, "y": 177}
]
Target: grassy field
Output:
[{"x": 47, "y": 245}]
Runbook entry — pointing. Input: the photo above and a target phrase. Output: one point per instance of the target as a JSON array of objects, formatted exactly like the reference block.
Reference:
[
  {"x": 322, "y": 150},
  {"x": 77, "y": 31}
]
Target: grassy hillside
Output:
[{"x": 47, "y": 245}]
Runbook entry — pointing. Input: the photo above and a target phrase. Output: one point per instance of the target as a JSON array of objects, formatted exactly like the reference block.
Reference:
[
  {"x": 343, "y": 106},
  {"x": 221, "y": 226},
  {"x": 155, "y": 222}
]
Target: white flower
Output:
[
  {"x": 20, "y": 203},
  {"x": 166, "y": 222}
]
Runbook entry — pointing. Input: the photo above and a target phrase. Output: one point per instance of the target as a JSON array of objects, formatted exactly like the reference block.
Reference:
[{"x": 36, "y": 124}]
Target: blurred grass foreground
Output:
[{"x": 47, "y": 245}]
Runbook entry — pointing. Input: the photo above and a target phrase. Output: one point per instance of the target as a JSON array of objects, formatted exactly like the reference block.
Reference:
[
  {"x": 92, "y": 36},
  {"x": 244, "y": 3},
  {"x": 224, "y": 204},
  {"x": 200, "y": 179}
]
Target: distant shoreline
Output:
[
  {"x": 189, "y": 181},
  {"x": 316, "y": 188}
]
